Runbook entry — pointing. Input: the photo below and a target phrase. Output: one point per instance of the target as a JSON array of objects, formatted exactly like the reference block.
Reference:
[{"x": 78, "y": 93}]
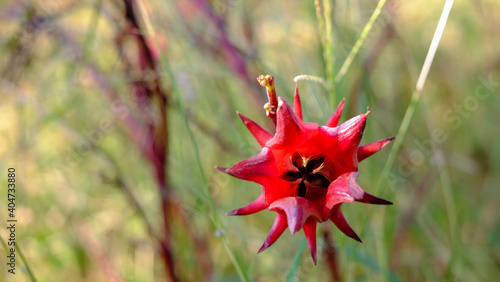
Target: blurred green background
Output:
[{"x": 86, "y": 193}]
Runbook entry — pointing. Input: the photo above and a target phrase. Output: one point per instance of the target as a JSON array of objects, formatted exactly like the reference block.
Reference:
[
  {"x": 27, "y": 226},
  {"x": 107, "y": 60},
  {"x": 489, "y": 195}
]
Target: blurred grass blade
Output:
[
  {"x": 326, "y": 34},
  {"x": 296, "y": 262},
  {"x": 23, "y": 259},
  {"x": 381, "y": 249},
  {"x": 207, "y": 195},
  {"x": 364, "y": 33},
  {"x": 416, "y": 94}
]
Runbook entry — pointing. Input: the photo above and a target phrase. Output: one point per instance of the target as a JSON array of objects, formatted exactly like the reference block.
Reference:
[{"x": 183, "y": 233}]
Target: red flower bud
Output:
[{"x": 306, "y": 171}]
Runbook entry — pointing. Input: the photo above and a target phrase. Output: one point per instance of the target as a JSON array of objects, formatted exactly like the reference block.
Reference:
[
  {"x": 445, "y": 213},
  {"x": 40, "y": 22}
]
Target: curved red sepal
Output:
[
  {"x": 254, "y": 207},
  {"x": 338, "y": 192},
  {"x": 260, "y": 168},
  {"x": 290, "y": 130},
  {"x": 334, "y": 120},
  {"x": 350, "y": 133},
  {"x": 297, "y": 107},
  {"x": 346, "y": 189},
  {"x": 338, "y": 219},
  {"x": 278, "y": 228},
  {"x": 257, "y": 131},
  {"x": 310, "y": 232},
  {"x": 297, "y": 210},
  {"x": 371, "y": 148}
]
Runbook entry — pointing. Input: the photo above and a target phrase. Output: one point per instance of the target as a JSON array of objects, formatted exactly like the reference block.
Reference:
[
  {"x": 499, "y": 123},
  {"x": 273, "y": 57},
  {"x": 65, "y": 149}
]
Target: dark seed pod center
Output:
[{"x": 312, "y": 184}]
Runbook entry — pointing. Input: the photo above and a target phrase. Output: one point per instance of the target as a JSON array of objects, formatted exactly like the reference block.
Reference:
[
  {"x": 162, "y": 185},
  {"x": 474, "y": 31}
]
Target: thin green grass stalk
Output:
[
  {"x": 381, "y": 250},
  {"x": 321, "y": 22},
  {"x": 23, "y": 259},
  {"x": 28, "y": 268},
  {"x": 451, "y": 210},
  {"x": 296, "y": 262},
  {"x": 206, "y": 191},
  {"x": 416, "y": 95},
  {"x": 361, "y": 39},
  {"x": 329, "y": 49}
]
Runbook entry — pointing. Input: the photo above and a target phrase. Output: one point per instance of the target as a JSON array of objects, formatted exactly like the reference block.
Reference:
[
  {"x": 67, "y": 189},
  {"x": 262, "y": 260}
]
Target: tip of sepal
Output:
[
  {"x": 223, "y": 169},
  {"x": 254, "y": 207},
  {"x": 263, "y": 247},
  {"x": 293, "y": 226},
  {"x": 339, "y": 220},
  {"x": 310, "y": 232},
  {"x": 279, "y": 226},
  {"x": 370, "y": 199},
  {"x": 260, "y": 134},
  {"x": 334, "y": 119},
  {"x": 369, "y": 149},
  {"x": 355, "y": 237},
  {"x": 297, "y": 108},
  {"x": 233, "y": 212}
]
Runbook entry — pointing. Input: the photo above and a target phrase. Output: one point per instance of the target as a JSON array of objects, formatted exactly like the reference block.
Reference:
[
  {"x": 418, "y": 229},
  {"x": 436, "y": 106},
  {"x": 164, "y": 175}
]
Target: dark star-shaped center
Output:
[{"x": 312, "y": 184}]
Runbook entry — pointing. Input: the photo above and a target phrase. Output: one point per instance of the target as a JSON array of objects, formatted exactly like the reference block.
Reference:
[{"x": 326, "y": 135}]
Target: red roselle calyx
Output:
[{"x": 306, "y": 171}]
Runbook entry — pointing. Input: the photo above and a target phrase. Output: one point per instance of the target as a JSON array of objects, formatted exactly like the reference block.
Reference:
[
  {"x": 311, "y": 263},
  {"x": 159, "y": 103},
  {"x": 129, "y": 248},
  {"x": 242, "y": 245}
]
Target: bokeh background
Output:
[{"x": 88, "y": 110}]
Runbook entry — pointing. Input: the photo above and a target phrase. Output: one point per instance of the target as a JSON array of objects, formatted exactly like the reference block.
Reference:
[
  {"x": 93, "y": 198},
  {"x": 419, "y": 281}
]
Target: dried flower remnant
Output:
[{"x": 306, "y": 171}]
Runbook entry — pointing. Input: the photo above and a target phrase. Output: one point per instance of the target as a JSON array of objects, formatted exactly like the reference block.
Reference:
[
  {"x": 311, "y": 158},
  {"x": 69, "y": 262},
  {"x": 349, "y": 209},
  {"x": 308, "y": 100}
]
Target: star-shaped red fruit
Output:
[{"x": 306, "y": 171}]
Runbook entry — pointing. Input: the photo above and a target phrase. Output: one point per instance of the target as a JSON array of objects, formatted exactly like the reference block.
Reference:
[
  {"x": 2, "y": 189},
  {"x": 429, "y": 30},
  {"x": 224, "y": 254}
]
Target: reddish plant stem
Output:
[
  {"x": 331, "y": 258},
  {"x": 157, "y": 133},
  {"x": 271, "y": 107}
]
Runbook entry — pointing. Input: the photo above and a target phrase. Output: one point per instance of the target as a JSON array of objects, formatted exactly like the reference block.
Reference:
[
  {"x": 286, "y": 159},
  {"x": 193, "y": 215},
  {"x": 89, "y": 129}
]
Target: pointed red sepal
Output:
[
  {"x": 338, "y": 192},
  {"x": 278, "y": 228},
  {"x": 351, "y": 132},
  {"x": 290, "y": 130},
  {"x": 297, "y": 107},
  {"x": 256, "y": 206},
  {"x": 298, "y": 210},
  {"x": 310, "y": 232},
  {"x": 370, "y": 199},
  {"x": 345, "y": 188},
  {"x": 334, "y": 120},
  {"x": 257, "y": 131},
  {"x": 371, "y": 148},
  {"x": 339, "y": 220},
  {"x": 260, "y": 168}
]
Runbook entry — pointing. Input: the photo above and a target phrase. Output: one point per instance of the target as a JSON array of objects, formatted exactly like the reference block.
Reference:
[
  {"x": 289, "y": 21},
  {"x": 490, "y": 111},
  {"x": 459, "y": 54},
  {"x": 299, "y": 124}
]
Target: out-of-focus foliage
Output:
[{"x": 74, "y": 159}]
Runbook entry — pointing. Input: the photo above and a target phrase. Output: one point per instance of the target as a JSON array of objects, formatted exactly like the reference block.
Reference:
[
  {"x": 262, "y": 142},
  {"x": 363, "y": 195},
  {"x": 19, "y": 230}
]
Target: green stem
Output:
[
  {"x": 23, "y": 259},
  {"x": 416, "y": 94},
  {"x": 296, "y": 261},
  {"x": 329, "y": 51},
  {"x": 364, "y": 33},
  {"x": 450, "y": 205}
]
